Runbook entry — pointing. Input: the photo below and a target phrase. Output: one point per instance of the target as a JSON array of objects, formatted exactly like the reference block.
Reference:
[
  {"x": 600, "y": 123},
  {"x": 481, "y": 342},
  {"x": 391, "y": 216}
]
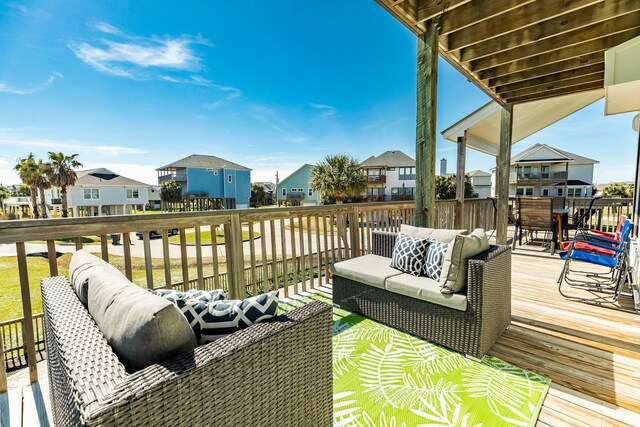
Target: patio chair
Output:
[
  {"x": 580, "y": 218},
  {"x": 535, "y": 214},
  {"x": 598, "y": 252}
]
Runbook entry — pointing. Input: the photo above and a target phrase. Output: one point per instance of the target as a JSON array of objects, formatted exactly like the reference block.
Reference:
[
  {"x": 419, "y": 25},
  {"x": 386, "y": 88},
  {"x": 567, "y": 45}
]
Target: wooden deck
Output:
[{"x": 592, "y": 354}]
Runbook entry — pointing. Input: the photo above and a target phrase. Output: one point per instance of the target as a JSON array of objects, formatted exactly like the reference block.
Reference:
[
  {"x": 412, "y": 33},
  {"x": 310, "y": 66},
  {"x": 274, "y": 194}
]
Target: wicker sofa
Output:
[
  {"x": 277, "y": 372},
  {"x": 469, "y": 323}
]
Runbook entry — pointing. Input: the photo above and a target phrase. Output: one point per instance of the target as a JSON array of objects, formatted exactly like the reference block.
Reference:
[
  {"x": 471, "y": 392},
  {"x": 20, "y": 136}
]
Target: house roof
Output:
[
  {"x": 269, "y": 186},
  {"x": 528, "y": 155},
  {"x": 306, "y": 165},
  {"x": 478, "y": 172},
  {"x": 203, "y": 161},
  {"x": 572, "y": 182},
  {"x": 104, "y": 177},
  {"x": 390, "y": 158}
]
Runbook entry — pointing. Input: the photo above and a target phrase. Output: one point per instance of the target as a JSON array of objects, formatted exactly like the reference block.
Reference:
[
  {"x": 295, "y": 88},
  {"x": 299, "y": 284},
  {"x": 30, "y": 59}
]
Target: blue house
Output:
[
  {"x": 212, "y": 177},
  {"x": 294, "y": 190}
]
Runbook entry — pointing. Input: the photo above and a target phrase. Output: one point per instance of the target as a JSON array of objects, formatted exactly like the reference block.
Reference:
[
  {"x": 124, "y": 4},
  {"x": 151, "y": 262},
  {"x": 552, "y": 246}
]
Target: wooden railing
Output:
[{"x": 263, "y": 249}]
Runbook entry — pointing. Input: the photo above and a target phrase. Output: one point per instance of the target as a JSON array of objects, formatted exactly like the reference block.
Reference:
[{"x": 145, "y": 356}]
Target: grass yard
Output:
[
  {"x": 11, "y": 302},
  {"x": 296, "y": 225},
  {"x": 206, "y": 237}
]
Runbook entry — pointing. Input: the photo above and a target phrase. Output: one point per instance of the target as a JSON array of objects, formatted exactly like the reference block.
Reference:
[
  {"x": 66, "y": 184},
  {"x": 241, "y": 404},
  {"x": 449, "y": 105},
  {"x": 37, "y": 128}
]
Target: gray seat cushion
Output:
[
  {"x": 426, "y": 289},
  {"x": 141, "y": 328},
  {"x": 81, "y": 265},
  {"x": 370, "y": 269}
]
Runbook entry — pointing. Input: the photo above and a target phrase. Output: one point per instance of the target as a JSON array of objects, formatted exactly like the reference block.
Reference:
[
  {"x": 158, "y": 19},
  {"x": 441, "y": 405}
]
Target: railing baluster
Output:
[
  {"x": 148, "y": 264},
  {"x": 274, "y": 255},
  {"x": 318, "y": 250},
  {"x": 295, "y": 266},
  {"x": 303, "y": 268},
  {"x": 285, "y": 271},
  {"x": 252, "y": 256},
  {"x": 3, "y": 366},
  {"x": 199, "y": 266},
  {"x": 166, "y": 261},
  {"x": 263, "y": 249},
  {"x": 326, "y": 248},
  {"x": 27, "y": 324},
  {"x": 361, "y": 246},
  {"x": 53, "y": 259},
  {"x": 333, "y": 238},
  {"x": 128, "y": 268},
  {"x": 184, "y": 261},
  {"x": 310, "y": 251},
  {"x": 104, "y": 247},
  {"x": 214, "y": 256},
  {"x": 78, "y": 241}
]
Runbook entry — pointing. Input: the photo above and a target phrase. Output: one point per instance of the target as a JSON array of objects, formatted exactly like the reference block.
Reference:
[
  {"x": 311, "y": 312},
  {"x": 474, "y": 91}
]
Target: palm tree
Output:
[
  {"x": 338, "y": 176},
  {"x": 28, "y": 171},
  {"x": 61, "y": 174},
  {"x": 41, "y": 181}
]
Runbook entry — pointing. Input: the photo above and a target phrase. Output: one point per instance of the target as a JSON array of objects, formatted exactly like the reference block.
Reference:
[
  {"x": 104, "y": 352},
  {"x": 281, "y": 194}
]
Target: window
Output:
[
  {"x": 545, "y": 191},
  {"x": 132, "y": 193},
  {"x": 559, "y": 191},
  {"x": 545, "y": 172},
  {"x": 402, "y": 191},
  {"x": 284, "y": 191},
  {"x": 374, "y": 191},
  {"x": 209, "y": 169},
  {"x": 574, "y": 192},
  {"x": 229, "y": 179},
  {"x": 91, "y": 193},
  {"x": 374, "y": 172},
  {"x": 524, "y": 191},
  {"x": 310, "y": 192},
  {"x": 407, "y": 173},
  {"x": 215, "y": 172}
]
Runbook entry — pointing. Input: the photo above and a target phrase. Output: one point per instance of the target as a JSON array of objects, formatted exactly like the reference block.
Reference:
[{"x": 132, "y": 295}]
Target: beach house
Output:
[{"x": 204, "y": 176}]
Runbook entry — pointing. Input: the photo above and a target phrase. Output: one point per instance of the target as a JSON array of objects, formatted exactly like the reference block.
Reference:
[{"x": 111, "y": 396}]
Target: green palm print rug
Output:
[{"x": 386, "y": 378}]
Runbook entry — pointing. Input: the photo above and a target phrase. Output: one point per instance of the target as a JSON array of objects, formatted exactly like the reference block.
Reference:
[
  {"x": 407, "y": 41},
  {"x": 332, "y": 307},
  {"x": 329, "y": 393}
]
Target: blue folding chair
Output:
[{"x": 603, "y": 252}]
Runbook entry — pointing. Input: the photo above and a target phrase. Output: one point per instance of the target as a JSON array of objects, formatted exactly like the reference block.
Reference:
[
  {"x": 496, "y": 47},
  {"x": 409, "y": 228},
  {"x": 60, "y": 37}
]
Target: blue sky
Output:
[{"x": 132, "y": 86}]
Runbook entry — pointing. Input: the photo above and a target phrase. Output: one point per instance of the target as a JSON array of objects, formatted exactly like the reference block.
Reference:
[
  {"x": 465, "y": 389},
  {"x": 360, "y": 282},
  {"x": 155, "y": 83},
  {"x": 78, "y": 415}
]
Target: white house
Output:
[
  {"x": 101, "y": 192},
  {"x": 542, "y": 170},
  {"x": 390, "y": 176},
  {"x": 481, "y": 183}
]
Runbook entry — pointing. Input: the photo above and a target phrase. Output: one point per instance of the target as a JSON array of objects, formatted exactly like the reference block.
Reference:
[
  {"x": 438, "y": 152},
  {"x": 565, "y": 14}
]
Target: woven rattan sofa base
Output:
[
  {"x": 472, "y": 332},
  {"x": 276, "y": 372}
]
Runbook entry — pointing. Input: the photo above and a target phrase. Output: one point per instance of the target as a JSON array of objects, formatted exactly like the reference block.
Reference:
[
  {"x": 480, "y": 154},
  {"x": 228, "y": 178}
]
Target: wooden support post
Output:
[
  {"x": 27, "y": 322},
  {"x": 460, "y": 180},
  {"x": 235, "y": 257},
  {"x": 425, "y": 213},
  {"x": 354, "y": 232},
  {"x": 502, "y": 173}
]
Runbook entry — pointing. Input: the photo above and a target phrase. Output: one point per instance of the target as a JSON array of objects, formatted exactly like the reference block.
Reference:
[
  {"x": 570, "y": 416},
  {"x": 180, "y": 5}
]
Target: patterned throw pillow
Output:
[
  {"x": 215, "y": 319},
  {"x": 434, "y": 259},
  {"x": 408, "y": 254},
  {"x": 179, "y": 298}
]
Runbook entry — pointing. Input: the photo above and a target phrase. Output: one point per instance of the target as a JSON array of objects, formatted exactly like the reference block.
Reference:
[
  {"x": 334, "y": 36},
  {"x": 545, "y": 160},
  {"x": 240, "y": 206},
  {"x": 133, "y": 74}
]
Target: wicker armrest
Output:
[
  {"x": 382, "y": 243},
  {"x": 275, "y": 372}
]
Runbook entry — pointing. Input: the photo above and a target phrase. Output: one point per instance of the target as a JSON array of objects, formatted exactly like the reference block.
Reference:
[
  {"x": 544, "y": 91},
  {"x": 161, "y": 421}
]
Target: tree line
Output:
[{"x": 37, "y": 176}]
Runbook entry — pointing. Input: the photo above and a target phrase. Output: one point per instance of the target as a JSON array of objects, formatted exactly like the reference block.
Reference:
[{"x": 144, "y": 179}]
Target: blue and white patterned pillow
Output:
[
  {"x": 408, "y": 254},
  {"x": 179, "y": 298},
  {"x": 215, "y": 319},
  {"x": 434, "y": 259}
]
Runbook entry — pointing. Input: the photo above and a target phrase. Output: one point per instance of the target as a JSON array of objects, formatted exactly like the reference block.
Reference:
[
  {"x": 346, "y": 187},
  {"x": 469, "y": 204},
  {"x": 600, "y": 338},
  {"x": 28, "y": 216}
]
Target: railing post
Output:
[
  {"x": 3, "y": 367},
  {"x": 235, "y": 257},
  {"x": 460, "y": 181},
  {"x": 27, "y": 322},
  {"x": 354, "y": 231}
]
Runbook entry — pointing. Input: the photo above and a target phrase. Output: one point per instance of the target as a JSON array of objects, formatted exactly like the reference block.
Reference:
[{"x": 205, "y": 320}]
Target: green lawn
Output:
[
  {"x": 11, "y": 302},
  {"x": 206, "y": 237}
]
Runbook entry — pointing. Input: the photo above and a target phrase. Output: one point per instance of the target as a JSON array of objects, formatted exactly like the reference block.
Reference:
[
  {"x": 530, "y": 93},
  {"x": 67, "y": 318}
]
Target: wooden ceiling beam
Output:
[
  {"x": 555, "y": 93},
  {"x": 569, "y": 24},
  {"x": 509, "y": 73},
  {"x": 513, "y": 20},
  {"x": 554, "y": 50},
  {"x": 474, "y": 12},
  {"x": 576, "y": 81},
  {"x": 551, "y": 78},
  {"x": 427, "y": 9},
  {"x": 396, "y": 10}
]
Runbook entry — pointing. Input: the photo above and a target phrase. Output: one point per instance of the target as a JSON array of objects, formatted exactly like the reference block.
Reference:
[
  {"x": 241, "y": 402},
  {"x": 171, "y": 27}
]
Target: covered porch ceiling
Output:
[
  {"x": 483, "y": 125},
  {"x": 525, "y": 50}
]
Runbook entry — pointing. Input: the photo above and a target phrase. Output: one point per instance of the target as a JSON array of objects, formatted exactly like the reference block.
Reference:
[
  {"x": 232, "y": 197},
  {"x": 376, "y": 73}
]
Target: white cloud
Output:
[
  {"x": 28, "y": 91},
  {"x": 136, "y": 57},
  {"x": 276, "y": 126},
  {"x": 325, "y": 110},
  {"x": 77, "y": 146}
]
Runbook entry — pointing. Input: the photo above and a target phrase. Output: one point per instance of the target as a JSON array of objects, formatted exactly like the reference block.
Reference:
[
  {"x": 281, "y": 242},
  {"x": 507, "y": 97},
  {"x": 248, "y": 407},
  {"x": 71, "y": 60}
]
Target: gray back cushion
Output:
[
  {"x": 456, "y": 261},
  {"x": 81, "y": 265},
  {"x": 437, "y": 234},
  {"x": 141, "y": 328}
]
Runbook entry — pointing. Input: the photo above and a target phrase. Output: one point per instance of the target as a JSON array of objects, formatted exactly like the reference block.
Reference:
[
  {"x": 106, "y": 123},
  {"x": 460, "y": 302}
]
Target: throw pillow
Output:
[
  {"x": 456, "y": 260},
  {"x": 434, "y": 259},
  {"x": 408, "y": 254},
  {"x": 179, "y": 298},
  {"x": 215, "y": 319}
]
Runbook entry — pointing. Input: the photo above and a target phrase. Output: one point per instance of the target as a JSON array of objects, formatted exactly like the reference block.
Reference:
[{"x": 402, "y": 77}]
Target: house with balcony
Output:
[
  {"x": 203, "y": 176},
  {"x": 294, "y": 190},
  {"x": 390, "y": 176},
  {"x": 542, "y": 170},
  {"x": 99, "y": 192}
]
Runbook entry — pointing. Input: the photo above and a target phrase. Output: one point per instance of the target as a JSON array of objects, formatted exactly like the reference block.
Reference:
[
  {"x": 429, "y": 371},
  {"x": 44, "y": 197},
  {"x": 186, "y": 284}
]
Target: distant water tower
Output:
[{"x": 443, "y": 166}]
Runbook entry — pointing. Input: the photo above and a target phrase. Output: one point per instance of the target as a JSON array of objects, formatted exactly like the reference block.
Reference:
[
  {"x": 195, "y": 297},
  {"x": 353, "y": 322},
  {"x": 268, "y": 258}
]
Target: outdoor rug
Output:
[{"x": 386, "y": 378}]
